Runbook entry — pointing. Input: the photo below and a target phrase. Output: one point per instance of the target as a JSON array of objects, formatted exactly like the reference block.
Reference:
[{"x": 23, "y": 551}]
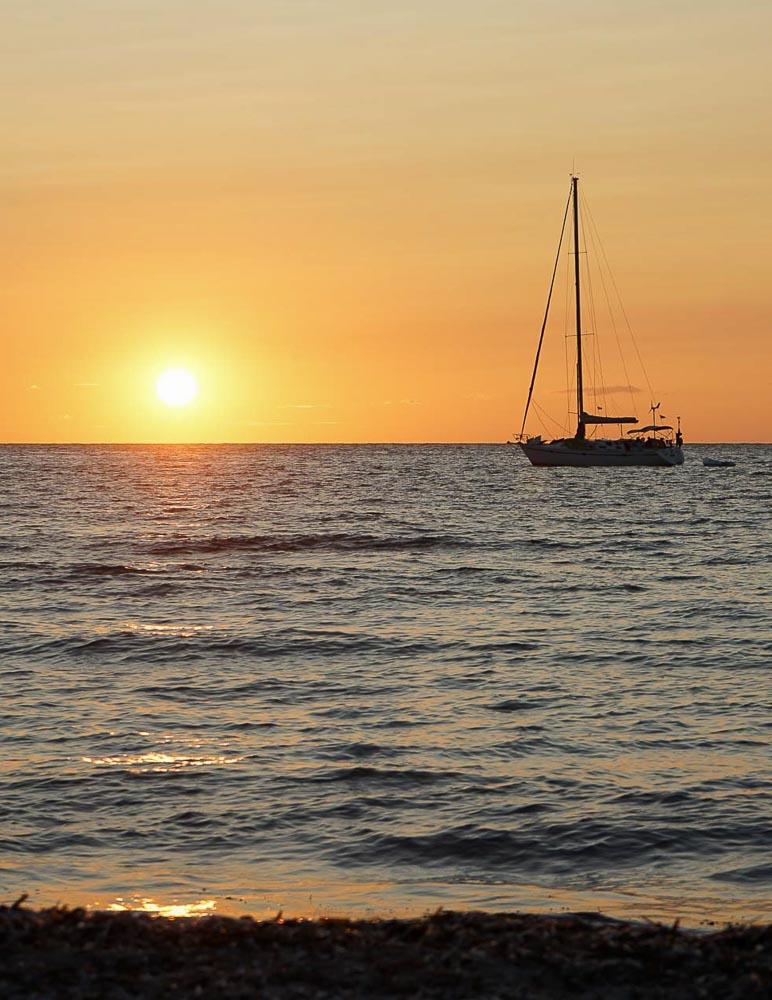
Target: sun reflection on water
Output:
[
  {"x": 194, "y": 753},
  {"x": 159, "y": 762},
  {"x": 202, "y": 908}
]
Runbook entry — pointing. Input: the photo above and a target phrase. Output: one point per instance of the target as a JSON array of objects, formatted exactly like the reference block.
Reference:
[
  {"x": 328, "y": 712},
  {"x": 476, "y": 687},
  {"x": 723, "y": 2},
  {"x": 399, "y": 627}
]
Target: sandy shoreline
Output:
[{"x": 81, "y": 954}]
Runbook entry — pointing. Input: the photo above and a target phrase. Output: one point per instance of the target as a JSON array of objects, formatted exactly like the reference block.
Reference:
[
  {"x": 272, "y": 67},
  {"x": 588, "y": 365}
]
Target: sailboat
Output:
[{"x": 651, "y": 445}]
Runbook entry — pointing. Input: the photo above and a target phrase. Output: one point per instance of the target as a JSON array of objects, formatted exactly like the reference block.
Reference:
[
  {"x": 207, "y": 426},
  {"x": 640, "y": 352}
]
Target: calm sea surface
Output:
[{"x": 384, "y": 679}]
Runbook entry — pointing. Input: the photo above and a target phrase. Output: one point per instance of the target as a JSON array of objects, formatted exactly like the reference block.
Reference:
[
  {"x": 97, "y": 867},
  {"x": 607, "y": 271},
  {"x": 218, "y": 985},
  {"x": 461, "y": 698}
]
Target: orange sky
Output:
[{"x": 342, "y": 215}]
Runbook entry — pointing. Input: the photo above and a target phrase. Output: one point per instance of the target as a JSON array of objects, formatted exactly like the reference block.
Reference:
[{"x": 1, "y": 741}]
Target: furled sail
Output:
[
  {"x": 591, "y": 418},
  {"x": 651, "y": 427}
]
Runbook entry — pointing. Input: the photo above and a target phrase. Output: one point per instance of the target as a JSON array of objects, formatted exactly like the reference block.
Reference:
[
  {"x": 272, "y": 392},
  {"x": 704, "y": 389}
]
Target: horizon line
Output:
[{"x": 299, "y": 444}]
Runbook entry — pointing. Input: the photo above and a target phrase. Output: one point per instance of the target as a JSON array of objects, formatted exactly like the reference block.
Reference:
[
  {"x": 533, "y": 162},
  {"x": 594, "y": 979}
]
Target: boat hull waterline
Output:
[{"x": 577, "y": 453}]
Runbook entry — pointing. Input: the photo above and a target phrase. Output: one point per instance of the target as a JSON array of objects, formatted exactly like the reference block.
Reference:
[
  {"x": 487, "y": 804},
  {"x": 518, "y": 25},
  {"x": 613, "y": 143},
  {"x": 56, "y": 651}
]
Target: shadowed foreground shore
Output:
[{"x": 77, "y": 953}]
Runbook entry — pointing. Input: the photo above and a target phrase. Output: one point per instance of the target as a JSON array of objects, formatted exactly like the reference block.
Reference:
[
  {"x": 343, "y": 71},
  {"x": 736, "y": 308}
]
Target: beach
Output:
[{"x": 79, "y": 955}]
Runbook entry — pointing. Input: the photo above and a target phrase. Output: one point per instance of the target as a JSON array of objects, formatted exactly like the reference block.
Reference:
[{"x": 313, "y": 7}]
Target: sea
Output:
[{"x": 382, "y": 680}]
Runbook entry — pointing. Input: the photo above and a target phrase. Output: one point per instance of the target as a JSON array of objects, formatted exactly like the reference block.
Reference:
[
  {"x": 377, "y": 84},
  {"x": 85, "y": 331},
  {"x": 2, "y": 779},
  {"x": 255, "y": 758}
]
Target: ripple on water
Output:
[{"x": 433, "y": 670}]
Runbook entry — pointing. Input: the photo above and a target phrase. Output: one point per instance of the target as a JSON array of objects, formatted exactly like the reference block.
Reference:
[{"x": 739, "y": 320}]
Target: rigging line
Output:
[
  {"x": 546, "y": 315},
  {"x": 569, "y": 367},
  {"x": 541, "y": 422},
  {"x": 589, "y": 326},
  {"x": 599, "y": 388},
  {"x": 594, "y": 239},
  {"x": 542, "y": 413},
  {"x": 590, "y": 299},
  {"x": 570, "y": 371},
  {"x": 622, "y": 307},
  {"x": 595, "y": 235}
]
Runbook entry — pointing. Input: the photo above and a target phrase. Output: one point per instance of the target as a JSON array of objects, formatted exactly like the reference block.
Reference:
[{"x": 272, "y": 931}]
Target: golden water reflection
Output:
[
  {"x": 383, "y": 900},
  {"x": 177, "y": 630},
  {"x": 201, "y": 908},
  {"x": 176, "y": 753},
  {"x": 158, "y": 762}
]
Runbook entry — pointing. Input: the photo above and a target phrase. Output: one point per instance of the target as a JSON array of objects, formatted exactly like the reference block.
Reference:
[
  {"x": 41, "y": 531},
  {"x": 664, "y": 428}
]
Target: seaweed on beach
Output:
[{"x": 75, "y": 953}]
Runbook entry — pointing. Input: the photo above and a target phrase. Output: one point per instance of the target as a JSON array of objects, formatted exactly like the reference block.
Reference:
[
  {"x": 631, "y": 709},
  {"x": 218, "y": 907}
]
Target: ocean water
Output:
[{"x": 383, "y": 679}]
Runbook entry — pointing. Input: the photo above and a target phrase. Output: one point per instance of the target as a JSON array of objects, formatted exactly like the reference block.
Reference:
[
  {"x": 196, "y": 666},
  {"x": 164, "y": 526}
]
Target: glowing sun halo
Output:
[{"x": 176, "y": 387}]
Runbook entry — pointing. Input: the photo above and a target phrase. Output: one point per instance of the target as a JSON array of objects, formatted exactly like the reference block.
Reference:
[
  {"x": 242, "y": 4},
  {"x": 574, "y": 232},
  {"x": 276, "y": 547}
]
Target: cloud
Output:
[
  {"x": 620, "y": 388},
  {"x": 594, "y": 390}
]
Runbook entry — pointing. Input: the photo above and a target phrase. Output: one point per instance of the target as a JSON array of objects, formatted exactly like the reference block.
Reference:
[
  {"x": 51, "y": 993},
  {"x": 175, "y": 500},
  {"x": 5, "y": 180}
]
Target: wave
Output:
[
  {"x": 110, "y": 569},
  {"x": 149, "y": 644},
  {"x": 557, "y": 848},
  {"x": 50, "y": 843},
  {"x": 752, "y": 874},
  {"x": 401, "y": 777},
  {"x": 131, "y": 646},
  {"x": 132, "y": 569},
  {"x": 519, "y": 704},
  {"x": 331, "y": 542}
]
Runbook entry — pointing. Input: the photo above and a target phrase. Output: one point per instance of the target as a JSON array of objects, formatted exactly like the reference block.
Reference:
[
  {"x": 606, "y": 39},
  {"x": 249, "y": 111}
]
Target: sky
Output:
[{"x": 341, "y": 216}]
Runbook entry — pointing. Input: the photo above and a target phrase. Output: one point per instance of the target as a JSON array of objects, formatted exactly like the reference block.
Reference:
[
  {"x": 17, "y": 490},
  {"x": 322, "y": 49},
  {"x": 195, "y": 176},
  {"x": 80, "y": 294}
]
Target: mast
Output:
[{"x": 580, "y": 430}]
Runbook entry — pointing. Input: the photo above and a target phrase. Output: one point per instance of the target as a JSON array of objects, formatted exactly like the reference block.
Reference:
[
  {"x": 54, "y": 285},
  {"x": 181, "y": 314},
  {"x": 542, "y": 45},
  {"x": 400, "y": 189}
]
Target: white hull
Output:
[{"x": 584, "y": 454}]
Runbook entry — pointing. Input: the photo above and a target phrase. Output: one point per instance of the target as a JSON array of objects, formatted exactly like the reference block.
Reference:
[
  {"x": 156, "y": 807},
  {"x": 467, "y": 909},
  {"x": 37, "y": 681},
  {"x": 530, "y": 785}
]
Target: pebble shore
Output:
[{"x": 90, "y": 955}]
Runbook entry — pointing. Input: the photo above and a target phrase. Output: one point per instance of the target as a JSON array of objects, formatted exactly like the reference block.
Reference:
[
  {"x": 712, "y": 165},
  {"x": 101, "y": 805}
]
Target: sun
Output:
[{"x": 176, "y": 387}]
